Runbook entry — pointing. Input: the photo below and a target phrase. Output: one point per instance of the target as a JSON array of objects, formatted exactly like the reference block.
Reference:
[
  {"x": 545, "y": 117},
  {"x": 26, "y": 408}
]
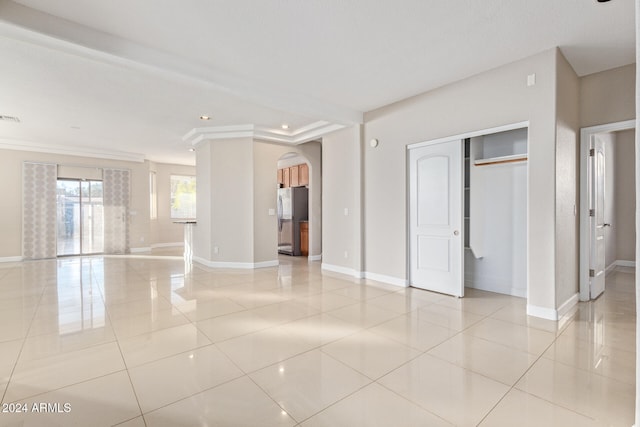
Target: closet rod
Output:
[{"x": 496, "y": 162}]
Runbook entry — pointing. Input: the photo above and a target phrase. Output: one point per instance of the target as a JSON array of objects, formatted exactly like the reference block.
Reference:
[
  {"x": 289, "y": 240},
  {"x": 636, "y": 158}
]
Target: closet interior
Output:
[{"x": 495, "y": 212}]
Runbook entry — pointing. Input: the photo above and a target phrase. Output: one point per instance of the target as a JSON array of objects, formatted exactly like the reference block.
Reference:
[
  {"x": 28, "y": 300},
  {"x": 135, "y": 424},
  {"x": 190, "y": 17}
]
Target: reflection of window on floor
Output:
[
  {"x": 80, "y": 306},
  {"x": 183, "y": 197}
]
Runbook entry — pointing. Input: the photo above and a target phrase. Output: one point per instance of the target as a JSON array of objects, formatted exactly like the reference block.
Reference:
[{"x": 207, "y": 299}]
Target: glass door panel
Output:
[
  {"x": 80, "y": 217},
  {"x": 92, "y": 218}
]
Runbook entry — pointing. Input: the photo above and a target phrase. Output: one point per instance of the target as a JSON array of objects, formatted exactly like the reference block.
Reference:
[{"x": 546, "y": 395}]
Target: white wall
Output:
[
  {"x": 494, "y": 98},
  {"x": 341, "y": 157}
]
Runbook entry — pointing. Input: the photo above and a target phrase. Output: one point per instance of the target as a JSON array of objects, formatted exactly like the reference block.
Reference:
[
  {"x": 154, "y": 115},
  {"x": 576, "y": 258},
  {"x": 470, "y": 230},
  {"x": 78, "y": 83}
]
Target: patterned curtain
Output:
[
  {"x": 116, "y": 185},
  {"x": 39, "y": 210}
]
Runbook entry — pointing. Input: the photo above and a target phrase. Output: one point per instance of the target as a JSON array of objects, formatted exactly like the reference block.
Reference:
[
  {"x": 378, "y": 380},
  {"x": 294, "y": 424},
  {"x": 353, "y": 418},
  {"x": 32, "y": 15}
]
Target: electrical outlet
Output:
[
  {"x": 346, "y": 254},
  {"x": 531, "y": 79},
  {"x": 215, "y": 250},
  {"x": 142, "y": 239},
  {"x": 346, "y": 211}
]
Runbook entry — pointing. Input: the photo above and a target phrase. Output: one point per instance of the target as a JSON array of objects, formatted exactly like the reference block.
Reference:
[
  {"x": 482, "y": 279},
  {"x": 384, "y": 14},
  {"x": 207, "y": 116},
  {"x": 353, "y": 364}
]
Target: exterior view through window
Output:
[{"x": 183, "y": 197}]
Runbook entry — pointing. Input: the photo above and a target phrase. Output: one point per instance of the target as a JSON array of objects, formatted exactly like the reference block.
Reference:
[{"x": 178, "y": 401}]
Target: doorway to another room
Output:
[
  {"x": 607, "y": 207},
  {"x": 292, "y": 205},
  {"x": 80, "y": 217}
]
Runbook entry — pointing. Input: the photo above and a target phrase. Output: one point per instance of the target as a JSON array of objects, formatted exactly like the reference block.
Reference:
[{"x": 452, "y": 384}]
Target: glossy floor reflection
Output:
[{"x": 138, "y": 341}]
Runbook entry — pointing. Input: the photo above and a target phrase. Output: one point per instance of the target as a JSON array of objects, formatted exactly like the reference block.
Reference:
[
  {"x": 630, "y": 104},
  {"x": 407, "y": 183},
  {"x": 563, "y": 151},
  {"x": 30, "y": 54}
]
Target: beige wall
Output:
[
  {"x": 11, "y": 200},
  {"x": 497, "y": 97},
  {"x": 266, "y": 156},
  {"x": 624, "y": 221},
  {"x": 237, "y": 185},
  {"x": 611, "y": 197},
  {"x": 341, "y": 155},
  {"x": 608, "y": 97},
  {"x": 202, "y": 230},
  {"x": 231, "y": 200},
  {"x": 566, "y": 192},
  {"x": 163, "y": 230}
]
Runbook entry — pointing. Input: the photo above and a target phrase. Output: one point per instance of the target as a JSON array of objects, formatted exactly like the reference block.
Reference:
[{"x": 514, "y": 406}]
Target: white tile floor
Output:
[{"x": 141, "y": 341}]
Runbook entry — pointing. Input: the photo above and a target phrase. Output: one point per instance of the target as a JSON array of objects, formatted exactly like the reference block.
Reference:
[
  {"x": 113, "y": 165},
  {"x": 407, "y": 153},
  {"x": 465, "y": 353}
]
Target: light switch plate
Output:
[{"x": 272, "y": 212}]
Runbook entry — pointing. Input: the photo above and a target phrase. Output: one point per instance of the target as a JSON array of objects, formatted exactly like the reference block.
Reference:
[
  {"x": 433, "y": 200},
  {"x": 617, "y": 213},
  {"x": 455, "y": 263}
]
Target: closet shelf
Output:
[{"x": 502, "y": 159}]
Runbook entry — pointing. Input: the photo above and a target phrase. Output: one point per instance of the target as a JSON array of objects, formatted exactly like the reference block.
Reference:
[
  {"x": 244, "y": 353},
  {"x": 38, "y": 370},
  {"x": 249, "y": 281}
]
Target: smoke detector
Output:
[{"x": 9, "y": 119}]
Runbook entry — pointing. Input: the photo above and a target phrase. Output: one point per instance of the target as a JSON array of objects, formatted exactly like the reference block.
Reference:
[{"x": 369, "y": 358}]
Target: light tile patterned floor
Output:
[{"x": 138, "y": 341}]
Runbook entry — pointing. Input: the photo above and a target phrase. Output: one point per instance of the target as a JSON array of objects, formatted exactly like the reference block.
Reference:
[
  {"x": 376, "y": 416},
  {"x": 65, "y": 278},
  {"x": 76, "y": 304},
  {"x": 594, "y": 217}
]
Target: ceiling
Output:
[{"x": 130, "y": 78}]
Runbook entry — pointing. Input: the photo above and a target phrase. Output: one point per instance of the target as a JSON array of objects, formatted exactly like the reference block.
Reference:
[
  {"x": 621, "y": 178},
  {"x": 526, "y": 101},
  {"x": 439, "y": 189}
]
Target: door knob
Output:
[{"x": 456, "y": 232}]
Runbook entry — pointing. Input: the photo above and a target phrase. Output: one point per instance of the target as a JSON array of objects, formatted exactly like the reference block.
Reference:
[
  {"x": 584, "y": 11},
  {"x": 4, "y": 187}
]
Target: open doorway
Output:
[
  {"x": 293, "y": 181},
  {"x": 607, "y": 207}
]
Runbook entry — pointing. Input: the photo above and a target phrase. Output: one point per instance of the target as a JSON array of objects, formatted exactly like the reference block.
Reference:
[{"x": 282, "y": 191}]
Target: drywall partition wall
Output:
[
  {"x": 229, "y": 166},
  {"x": 341, "y": 202},
  {"x": 166, "y": 232},
  {"x": 624, "y": 220},
  {"x": 266, "y": 156},
  {"x": 608, "y": 96},
  {"x": 11, "y": 200},
  {"x": 494, "y": 98},
  {"x": 567, "y": 183},
  {"x": 497, "y": 258},
  {"x": 202, "y": 234}
]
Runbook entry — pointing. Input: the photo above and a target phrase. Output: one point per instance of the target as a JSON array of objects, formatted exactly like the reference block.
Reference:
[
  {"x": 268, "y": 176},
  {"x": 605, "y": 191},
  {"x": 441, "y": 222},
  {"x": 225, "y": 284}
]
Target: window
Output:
[
  {"x": 183, "y": 196},
  {"x": 153, "y": 196}
]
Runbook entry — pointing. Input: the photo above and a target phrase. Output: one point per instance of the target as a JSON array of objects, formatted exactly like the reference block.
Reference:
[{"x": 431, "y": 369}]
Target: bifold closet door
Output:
[{"x": 436, "y": 215}]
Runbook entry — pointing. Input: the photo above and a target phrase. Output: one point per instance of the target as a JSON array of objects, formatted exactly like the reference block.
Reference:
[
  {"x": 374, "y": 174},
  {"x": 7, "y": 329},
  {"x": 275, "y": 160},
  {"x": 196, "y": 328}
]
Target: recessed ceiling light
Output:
[
  {"x": 192, "y": 149},
  {"x": 205, "y": 118},
  {"x": 285, "y": 126},
  {"x": 75, "y": 127},
  {"x": 603, "y": 1}
]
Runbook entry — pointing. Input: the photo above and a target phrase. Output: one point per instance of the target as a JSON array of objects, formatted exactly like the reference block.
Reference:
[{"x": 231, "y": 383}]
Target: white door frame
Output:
[{"x": 586, "y": 135}]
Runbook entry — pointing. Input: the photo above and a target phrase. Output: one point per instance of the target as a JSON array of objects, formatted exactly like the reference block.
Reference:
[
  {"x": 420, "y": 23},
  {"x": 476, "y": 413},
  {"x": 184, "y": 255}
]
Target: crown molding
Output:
[
  {"x": 298, "y": 136},
  {"x": 29, "y": 25},
  {"x": 68, "y": 150}
]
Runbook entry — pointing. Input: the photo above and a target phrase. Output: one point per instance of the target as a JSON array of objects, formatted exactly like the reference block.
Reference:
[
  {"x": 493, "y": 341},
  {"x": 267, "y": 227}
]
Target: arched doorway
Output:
[{"x": 294, "y": 204}]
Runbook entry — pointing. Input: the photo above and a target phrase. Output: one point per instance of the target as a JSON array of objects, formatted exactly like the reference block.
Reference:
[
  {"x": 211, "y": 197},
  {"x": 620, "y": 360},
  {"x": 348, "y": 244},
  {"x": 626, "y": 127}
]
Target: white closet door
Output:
[
  {"x": 436, "y": 215},
  {"x": 116, "y": 187}
]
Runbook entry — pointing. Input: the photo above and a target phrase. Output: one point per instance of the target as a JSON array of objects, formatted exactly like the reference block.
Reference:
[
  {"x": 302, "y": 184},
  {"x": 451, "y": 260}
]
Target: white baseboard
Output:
[
  {"x": 11, "y": 259},
  {"x": 342, "y": 270},
  {"x": 551, "y": 314},
  {"x": 542, "y": 312},
  {"x": 139, "y": 250},
  {"x": 166, "y": 245},
  {"x": 314, "y": 258},
  {"x": 568, "y": 305},
  {"x": 610, "y": 268},
  {"x": 238, "y": 265},
  {"x": 396, "y": 281}
]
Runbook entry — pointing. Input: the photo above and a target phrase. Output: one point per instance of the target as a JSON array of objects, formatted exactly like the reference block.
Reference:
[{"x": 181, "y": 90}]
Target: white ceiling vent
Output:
[{"x": 9, "y": 119}]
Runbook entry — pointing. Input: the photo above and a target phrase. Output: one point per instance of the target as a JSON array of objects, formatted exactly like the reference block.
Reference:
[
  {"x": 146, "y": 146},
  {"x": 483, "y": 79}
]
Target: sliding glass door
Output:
[{"x": 80, "y": 217}]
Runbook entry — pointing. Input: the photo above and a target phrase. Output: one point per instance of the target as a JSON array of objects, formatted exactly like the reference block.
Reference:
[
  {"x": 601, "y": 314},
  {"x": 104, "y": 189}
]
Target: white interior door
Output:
[
  {"x": 597, "y": 223},
  {"x": 436, "y": 214}
]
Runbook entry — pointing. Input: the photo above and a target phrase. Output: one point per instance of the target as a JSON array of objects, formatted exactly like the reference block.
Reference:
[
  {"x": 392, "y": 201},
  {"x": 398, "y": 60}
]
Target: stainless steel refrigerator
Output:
[{"x": 293, "y": 207}]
